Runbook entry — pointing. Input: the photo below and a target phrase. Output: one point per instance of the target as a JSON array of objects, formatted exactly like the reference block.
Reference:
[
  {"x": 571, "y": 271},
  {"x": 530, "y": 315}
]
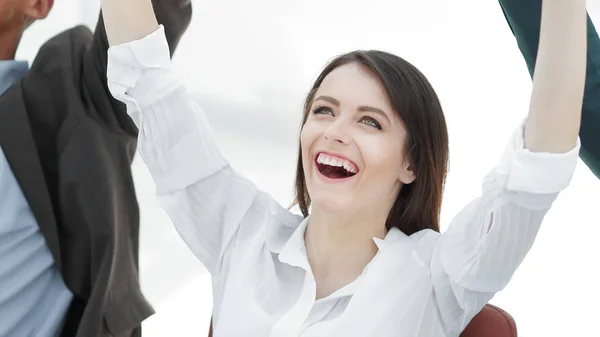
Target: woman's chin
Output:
[{"x": 331, "y": 202}]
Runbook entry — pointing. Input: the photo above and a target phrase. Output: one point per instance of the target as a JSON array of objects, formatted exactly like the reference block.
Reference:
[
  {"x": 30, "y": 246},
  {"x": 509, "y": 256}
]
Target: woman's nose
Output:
[{"x": 338, "y": 132}]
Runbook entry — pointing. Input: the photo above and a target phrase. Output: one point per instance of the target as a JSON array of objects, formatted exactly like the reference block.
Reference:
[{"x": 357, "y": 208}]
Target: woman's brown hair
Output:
[{"x": 418, "y": 204}]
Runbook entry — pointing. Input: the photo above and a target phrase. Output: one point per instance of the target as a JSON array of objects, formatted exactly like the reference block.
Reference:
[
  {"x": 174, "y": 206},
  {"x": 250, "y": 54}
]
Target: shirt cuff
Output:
[
  {"x": 536, "y": 172},
  {"x": 139, "y": 73}
]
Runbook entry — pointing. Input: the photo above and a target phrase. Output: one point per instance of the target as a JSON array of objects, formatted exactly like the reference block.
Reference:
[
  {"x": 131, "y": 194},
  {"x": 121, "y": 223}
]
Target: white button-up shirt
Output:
[{"x": 427, "y": 284}]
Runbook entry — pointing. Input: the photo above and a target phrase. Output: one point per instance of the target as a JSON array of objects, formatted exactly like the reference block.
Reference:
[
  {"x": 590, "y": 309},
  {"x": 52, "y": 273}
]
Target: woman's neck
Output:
[{"x": 339, "y": 246}]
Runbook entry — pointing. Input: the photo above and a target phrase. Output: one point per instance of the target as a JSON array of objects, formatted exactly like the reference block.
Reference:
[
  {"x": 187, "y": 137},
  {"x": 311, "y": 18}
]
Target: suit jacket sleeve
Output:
[{"x": 175, "y": 15}]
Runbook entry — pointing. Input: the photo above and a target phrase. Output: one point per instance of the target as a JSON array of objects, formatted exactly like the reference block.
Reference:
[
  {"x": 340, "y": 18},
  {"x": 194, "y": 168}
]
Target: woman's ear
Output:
[{"x": 407, "y": 174}]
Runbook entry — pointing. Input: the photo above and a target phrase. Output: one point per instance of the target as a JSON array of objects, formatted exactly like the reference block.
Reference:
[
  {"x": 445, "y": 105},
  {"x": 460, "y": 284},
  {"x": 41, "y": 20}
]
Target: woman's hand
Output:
[
  {"x": 128, "y": 20},
  {"x": 559, "y": 78}
]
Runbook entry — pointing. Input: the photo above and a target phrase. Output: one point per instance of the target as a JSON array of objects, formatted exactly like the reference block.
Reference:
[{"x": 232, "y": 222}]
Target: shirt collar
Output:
[
  {"x": 11, "y": 71},
  {"x": 292, "y": 249},
  {"x": 293, "y": 252}
]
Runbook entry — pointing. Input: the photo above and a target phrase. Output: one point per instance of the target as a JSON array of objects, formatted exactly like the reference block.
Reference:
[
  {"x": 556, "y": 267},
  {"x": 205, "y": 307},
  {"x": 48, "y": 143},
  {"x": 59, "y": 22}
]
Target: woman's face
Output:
[{"x": 353, "y": 144}]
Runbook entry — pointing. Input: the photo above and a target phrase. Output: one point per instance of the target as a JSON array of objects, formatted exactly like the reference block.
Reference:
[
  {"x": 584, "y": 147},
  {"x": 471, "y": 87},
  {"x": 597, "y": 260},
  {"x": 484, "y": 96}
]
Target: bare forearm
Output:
[
  {"x": 128, "y": 20},
  {"x": 559, "y": 78}
]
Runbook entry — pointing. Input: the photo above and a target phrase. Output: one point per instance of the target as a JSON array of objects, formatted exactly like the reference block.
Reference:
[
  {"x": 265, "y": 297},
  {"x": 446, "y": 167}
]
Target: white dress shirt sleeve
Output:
[
  {"x": 203, "y": 196},
  {"x": 487, "y": 241}
]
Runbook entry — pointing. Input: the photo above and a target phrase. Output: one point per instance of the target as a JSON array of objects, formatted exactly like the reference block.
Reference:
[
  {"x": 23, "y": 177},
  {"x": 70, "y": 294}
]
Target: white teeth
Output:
[{"x": 334, "y": 161}]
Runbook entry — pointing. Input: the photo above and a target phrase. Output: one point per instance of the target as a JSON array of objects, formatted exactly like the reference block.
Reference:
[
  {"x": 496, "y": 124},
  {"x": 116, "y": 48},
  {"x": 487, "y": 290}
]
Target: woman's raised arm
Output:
[
  {"x": 487, "y": 241},
  {"x": 128, "y": 20},
  {"x": 559, "y": 78},
  {"x": 211, "y": 206}
]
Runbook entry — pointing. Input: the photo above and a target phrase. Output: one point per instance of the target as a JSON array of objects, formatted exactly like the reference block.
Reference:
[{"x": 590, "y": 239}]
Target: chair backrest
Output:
[{"x": 489, "y": 322}]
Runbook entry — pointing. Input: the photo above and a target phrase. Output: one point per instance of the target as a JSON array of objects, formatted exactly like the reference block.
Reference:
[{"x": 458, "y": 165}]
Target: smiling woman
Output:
[
  {"x": 387, "y": 118},
  {"x": 366, "y": 257}
]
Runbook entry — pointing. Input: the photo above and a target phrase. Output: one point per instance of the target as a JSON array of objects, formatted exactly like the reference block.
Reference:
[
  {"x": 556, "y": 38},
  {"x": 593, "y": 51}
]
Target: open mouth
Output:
[{"x": 334, "y": 167}]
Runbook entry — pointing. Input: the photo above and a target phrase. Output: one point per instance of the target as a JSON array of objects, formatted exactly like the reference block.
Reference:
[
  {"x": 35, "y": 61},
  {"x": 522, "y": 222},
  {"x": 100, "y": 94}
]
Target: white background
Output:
[{"x": 250, "y": 64}]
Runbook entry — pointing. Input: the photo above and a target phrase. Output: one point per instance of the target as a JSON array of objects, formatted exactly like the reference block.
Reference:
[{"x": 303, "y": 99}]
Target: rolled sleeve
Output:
[
  {"x": 489, "y": 238},
  {"x": 139, "y": 71},
  {"x": 536, "y": 172}
]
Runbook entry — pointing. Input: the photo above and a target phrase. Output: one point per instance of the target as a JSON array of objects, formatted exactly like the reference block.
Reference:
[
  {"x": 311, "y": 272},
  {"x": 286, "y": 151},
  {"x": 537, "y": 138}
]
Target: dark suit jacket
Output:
[{"x": 70, "y": 146}]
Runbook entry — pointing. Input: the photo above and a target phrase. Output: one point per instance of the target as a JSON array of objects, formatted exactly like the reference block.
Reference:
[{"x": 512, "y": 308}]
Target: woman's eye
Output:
[
  {"x": 323, "y": 110},
  {"x": 371, "y": 122}
]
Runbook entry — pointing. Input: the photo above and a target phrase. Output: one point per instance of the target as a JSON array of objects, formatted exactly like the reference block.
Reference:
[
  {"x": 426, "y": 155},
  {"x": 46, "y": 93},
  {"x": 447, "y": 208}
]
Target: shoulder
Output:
[
  {"x": 77, "y": 37},
  {"x": 63, "y": 51},
  {"x": 278, "y": 223},
  {"x": 57, "y": 68},
  {"x": 425, "y": 242}
]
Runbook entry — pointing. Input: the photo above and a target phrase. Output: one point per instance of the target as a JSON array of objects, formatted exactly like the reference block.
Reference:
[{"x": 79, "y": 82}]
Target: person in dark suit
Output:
[
  {"x": 523, "y": 17},
  {"x": 69, "y": 218}
]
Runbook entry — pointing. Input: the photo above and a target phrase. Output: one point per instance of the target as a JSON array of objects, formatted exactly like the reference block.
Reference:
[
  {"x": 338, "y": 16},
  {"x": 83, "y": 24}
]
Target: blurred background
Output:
[{"x": 250, "y": 63}]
